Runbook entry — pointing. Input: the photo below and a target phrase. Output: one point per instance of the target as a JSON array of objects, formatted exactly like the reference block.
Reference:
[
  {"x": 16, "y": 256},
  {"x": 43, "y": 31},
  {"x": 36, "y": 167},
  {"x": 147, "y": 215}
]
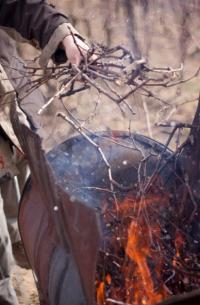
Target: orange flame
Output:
[
  {"x": 138, "y": 251},
  {"x": 179, "y": 242},
  {"x": 142, "y": 286},
  {"x": 101, "y": 294}
]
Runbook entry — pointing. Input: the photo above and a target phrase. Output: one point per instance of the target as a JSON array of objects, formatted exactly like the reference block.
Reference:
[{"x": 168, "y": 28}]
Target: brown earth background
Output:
[{"x": 166, "y": 33}]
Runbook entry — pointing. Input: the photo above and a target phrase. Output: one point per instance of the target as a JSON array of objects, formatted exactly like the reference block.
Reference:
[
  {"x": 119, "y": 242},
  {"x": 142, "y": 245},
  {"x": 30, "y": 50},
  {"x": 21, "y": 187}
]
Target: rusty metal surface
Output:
[{"x": 57, "y": 227}]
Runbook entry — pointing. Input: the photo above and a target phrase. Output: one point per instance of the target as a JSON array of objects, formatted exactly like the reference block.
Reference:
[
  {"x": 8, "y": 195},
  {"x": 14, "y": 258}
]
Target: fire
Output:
[
  {"x": 138, "y": 251},
  {"x": 101, "y": 294},
  {"x": 179, "y": 243},
  {"x": 135, "y": 278}
]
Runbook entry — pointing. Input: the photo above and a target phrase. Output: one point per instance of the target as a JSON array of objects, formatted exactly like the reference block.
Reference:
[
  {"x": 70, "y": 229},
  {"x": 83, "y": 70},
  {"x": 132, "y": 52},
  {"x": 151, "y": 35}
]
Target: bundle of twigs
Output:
[{"x": 114, "y": 73}]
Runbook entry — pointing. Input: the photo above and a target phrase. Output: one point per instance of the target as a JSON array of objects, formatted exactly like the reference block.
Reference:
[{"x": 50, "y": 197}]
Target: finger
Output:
[{"x": 75, "y": 60}]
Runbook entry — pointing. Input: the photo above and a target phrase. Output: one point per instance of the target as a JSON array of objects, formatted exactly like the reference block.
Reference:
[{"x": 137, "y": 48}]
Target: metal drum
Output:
[{"x": 60, "y": 215}]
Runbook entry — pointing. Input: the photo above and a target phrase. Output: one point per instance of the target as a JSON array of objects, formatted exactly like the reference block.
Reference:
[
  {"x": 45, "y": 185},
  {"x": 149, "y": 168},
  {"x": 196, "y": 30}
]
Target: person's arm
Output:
[{"x": 41, "y": 24}]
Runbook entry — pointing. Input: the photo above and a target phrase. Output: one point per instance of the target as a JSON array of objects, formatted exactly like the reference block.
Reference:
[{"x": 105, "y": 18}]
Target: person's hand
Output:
[{"x": 77, "y": 50}]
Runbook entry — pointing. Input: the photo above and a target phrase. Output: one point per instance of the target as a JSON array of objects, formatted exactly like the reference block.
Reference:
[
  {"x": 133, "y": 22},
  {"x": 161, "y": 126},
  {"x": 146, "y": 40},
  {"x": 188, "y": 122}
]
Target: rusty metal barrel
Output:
[{"x": 60, "y": 216}]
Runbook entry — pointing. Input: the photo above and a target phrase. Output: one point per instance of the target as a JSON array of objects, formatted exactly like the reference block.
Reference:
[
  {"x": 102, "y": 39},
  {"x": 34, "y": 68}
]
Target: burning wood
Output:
[{"x": 147, "y": 249}]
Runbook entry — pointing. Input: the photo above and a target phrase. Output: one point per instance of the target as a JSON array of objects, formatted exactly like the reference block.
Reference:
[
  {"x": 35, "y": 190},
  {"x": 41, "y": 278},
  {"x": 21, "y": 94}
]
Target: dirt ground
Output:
[
  {"x": 25, "y": 286},
  {"x": 22, "y": 277},
  {"x": 164, "y": 26}
]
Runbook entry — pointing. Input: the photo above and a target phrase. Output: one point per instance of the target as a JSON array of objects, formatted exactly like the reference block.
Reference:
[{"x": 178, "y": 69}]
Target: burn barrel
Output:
[{"x": 62, "y": 212}]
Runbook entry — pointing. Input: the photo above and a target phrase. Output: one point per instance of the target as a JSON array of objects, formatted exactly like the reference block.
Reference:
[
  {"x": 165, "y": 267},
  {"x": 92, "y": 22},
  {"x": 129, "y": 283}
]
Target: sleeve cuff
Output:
[{"x": 59, "y": 34}]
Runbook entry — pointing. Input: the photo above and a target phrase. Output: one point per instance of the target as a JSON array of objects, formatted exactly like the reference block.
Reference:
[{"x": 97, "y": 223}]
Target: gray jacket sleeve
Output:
[
  {"x": 38, "y": 22},
  {"x": 35, "y": 20}
]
